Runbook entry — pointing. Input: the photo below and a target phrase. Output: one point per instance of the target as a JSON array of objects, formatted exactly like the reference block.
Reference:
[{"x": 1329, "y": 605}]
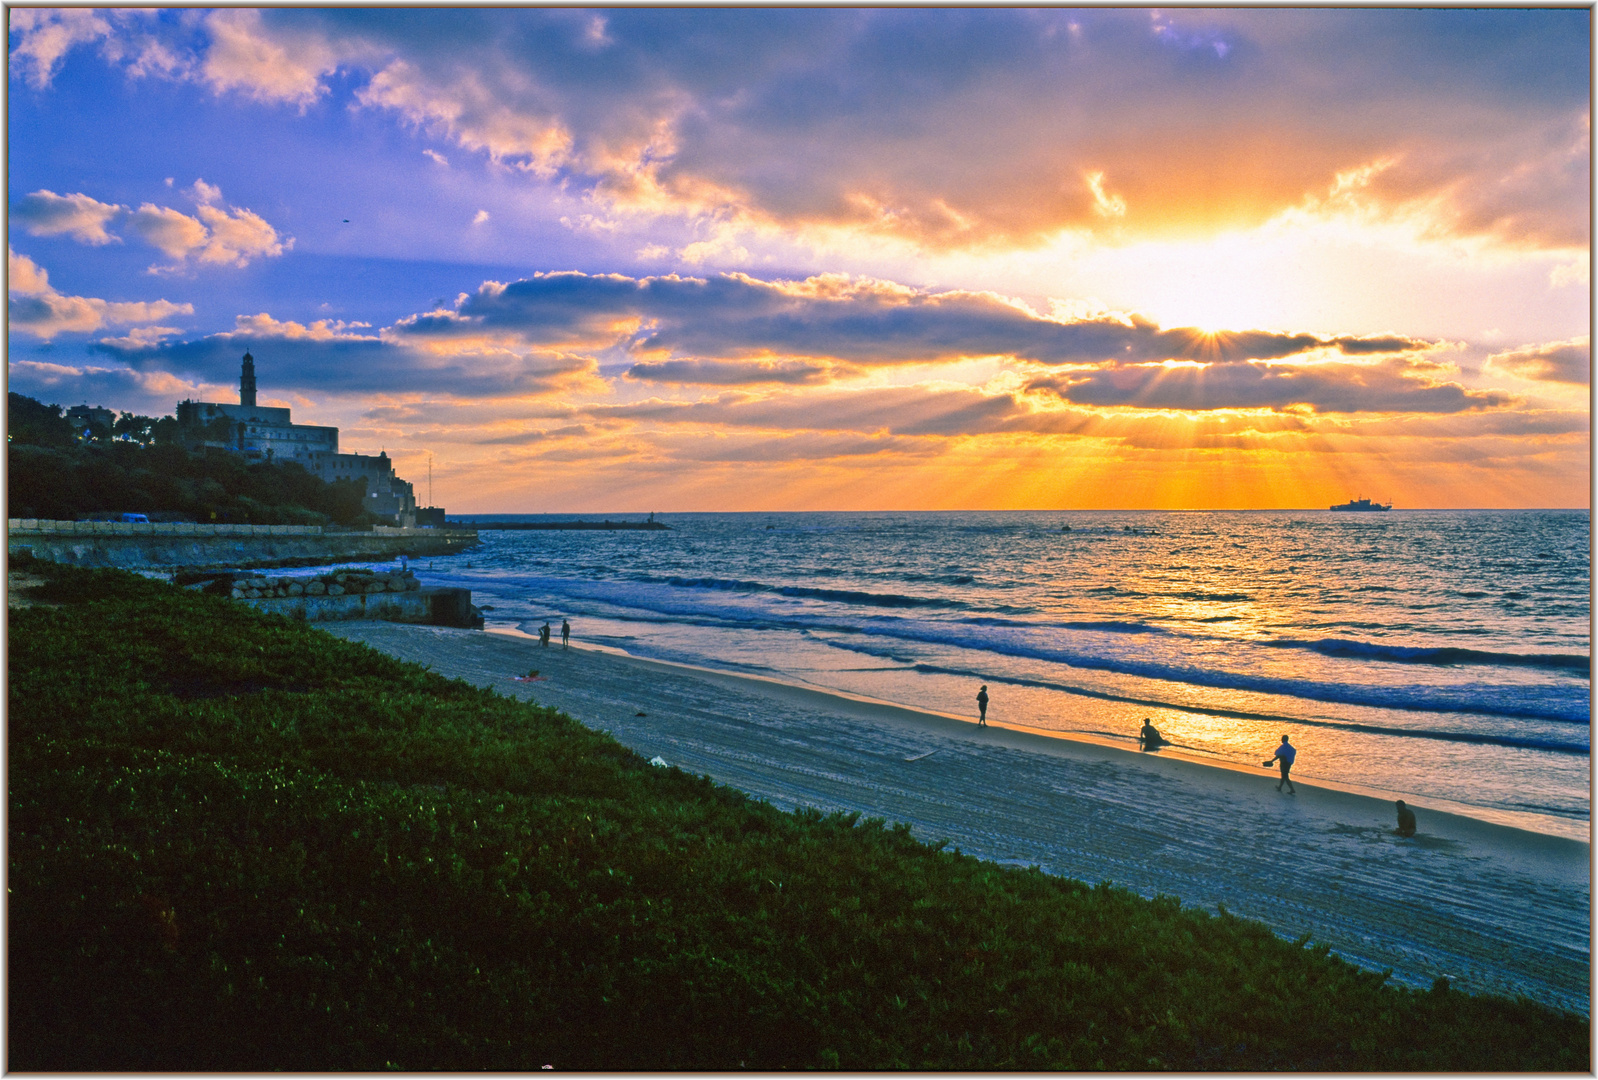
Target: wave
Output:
[
  {"x": 809, "y": 592},
  {"x": 1419, "y": 654},
  {"x": 1108, "y": 646},
  {"x": 1527, "y": 742},
  {"x": 1106, "y": 626},
  {"x": 1556, "y": 703}
]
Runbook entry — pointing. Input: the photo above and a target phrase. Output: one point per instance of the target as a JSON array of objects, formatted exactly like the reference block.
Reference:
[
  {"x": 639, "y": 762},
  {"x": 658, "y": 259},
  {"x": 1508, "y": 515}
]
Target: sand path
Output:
[{"x": 1492, "y": 908}]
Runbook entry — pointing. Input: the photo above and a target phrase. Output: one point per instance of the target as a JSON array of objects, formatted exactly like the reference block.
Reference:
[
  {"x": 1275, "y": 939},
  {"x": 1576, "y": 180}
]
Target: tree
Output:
[
  {"x": 36, "y": 424},
  {"x": 135, "y": 428},
  {"x": 219, "y": 430}
]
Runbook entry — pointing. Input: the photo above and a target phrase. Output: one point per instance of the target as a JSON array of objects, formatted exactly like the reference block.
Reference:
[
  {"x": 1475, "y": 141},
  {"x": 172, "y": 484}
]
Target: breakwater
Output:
[
  {"x": 161, "y": 545},
  {"x": 352, "y": 594},
  {"x": 609, "y": 526}
]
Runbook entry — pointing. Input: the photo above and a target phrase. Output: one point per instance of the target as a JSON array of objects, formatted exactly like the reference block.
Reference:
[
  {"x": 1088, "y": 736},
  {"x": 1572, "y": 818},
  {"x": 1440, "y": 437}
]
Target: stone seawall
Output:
[
  {"x": 141, "y": 546},
  {"x": 433, "y": 606}
]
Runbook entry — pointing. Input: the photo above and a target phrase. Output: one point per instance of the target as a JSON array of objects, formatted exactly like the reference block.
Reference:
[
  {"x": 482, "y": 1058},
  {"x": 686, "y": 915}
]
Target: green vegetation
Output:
[
  {"x": 138, "y": 465},
  {"x": 238, "y": 843}
]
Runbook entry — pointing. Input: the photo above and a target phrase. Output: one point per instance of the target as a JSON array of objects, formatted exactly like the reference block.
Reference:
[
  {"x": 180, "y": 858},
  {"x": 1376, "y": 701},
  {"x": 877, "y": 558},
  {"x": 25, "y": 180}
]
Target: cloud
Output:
[
  {"x": 25, "y": 277},
  {"x": 722, "y": 373},
  {"x": 900, "y": 411},
  {"x": 282, "y": 66},
  {"x": 217, "y": 235},
  {"x": 336, "y": 357},
  {"x": 128, "y": 390},
  {"x": 236, "y": 236},
  {"x": 173, "y": 232},
  {"x": 677, "y": 325},
  {"x": 1558, "y": 362},
  {"x": 1394, "y": 385},
  {"x": 36, "y": 308},
  {"x": 47, "y": 35},
  {"x": 44, "y": 213},
  {"x": 970, "y": 128}
]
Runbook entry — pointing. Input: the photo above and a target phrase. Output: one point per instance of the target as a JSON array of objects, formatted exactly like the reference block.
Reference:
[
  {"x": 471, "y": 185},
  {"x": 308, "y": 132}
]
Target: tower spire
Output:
[{"x": 247, "y": 381}]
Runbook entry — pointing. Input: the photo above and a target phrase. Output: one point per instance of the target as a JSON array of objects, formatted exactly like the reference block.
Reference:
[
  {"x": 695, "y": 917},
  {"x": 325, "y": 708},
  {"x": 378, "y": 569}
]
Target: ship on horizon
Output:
[{"x": 1362, "y": 504}]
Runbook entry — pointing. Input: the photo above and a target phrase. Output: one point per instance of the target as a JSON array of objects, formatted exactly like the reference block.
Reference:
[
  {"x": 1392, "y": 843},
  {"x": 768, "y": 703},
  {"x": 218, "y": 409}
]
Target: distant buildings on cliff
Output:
[{"x": 265, "y": 433}]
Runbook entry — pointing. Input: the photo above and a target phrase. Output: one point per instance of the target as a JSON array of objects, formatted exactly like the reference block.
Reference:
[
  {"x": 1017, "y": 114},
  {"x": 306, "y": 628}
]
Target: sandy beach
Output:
[{"x": 1492, "y": 908}]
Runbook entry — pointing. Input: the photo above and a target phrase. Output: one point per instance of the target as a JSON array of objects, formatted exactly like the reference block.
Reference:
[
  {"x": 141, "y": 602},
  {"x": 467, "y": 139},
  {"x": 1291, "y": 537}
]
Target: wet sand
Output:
[{"x": 1493, "y": 908}]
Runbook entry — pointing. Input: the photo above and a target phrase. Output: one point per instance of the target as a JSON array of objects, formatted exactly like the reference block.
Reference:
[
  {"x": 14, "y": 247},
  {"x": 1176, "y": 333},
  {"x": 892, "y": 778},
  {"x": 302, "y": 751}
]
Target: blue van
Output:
[{"x": 136, "y": 519}]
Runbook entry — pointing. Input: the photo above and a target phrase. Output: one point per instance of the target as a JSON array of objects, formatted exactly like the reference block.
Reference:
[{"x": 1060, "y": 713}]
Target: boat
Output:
[{"x": 1362, "y": 504}]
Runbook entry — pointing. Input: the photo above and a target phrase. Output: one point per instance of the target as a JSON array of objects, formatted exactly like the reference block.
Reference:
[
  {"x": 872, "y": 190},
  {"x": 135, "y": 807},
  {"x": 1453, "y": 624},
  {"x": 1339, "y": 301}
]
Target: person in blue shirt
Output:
[{"x": 1284, "y": 757}]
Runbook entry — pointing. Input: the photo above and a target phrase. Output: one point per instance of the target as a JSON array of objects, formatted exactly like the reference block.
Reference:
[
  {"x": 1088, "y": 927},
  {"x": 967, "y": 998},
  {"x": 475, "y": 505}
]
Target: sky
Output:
[{"x": 612, "y": 260}]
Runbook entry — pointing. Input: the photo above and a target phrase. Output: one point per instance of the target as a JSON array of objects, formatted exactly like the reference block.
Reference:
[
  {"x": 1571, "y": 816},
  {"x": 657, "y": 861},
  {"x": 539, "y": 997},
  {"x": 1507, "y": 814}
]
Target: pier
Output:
[{"x": 607, "y": 525}]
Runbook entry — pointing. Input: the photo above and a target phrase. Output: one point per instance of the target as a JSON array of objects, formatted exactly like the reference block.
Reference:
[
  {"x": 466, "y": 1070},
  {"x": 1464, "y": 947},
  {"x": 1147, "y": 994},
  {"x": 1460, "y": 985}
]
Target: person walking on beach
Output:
[
  {"x": 1284, "y": 757},
  {"x": 1150, "y": 736},
  {"x": 565, "y": 632},
  {"x": 1406, "y": 820},
  {"x": 543, "y": 635},
  {"x": 982, "y": 707}
]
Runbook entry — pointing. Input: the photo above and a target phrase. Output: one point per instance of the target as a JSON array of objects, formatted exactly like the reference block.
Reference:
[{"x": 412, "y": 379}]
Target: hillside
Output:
[
  {"x": 237, "y": 843},
  {"x": 137, "y": 466}
]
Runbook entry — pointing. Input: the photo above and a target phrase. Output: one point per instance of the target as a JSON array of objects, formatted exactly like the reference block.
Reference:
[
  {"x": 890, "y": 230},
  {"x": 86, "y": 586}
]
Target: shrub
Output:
[{"x": 238, "y": 843}]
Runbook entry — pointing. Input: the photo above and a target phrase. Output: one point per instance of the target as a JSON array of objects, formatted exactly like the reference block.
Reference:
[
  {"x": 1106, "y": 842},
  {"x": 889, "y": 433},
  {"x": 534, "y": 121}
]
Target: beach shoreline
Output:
[
  {"x": 1489, "y": 906},
  {"x": 1461, "y": 817}
]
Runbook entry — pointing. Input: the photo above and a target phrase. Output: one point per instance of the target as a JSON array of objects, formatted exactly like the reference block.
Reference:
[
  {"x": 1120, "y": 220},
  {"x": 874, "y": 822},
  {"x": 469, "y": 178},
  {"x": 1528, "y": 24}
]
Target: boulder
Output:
[
  {"x": 335, "y": 590},
  {"x": 315, "y": 588}
]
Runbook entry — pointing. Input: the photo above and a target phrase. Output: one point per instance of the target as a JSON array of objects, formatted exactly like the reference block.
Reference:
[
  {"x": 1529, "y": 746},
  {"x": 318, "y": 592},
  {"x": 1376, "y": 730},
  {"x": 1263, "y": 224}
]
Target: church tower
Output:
[{"x": 247, "y": 382}]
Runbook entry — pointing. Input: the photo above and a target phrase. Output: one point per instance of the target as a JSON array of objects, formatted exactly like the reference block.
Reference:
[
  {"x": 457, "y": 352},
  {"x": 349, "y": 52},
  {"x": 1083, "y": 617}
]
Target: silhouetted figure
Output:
[
  {"x": 982, "y": 707},
  {"x": 543, "y": 635},
  {"x": 1150, "y": 736},
  {"x": 565, "y": 632},
  {"x": 1284, "y": 757},
  {"x": 1406, "y": 820}
]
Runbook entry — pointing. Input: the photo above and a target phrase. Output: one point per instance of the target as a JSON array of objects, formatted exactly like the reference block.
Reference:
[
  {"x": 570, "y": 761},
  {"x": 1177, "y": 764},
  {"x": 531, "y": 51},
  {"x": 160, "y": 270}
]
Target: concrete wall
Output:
[{"x": 168, "y": 544}]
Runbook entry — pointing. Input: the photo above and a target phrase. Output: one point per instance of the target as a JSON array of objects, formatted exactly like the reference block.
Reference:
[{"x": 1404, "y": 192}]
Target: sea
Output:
[{"x": 1442, "y": 657}]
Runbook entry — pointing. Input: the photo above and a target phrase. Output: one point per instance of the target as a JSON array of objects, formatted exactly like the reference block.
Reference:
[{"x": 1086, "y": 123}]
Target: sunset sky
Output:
[{"x": 672, "y": 259}]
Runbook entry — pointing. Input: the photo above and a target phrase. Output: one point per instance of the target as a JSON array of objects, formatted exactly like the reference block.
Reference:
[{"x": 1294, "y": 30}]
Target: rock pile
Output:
[{"x": 353, "y": 582}]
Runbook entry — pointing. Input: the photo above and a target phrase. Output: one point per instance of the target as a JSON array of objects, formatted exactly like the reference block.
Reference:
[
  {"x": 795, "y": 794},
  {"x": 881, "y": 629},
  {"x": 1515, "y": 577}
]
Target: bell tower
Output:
[{"x": 247, "y": 381}]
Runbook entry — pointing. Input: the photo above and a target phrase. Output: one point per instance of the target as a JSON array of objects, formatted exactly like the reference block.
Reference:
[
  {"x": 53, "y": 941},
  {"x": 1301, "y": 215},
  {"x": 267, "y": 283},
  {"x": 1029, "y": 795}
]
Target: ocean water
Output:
[{"x": 1439, "y": 656}]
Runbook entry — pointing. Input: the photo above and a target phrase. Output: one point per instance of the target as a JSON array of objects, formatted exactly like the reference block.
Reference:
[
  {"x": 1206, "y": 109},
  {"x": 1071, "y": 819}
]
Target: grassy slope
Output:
[{"x": 238, "y": 843}]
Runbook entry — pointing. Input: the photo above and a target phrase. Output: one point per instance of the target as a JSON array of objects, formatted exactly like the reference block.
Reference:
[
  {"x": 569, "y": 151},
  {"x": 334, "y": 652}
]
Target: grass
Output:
[{"x": 237, "y": 843}]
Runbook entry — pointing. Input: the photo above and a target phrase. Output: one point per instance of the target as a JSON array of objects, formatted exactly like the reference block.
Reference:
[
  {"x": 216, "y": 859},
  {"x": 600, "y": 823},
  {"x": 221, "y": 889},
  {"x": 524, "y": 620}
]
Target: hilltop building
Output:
[
  {"x": 84, "y": 417},
  {"x": 265, "y": 433}
]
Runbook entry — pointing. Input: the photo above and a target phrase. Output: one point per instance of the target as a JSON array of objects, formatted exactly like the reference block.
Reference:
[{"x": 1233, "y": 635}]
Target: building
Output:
[
  {"x": 84, "y": 417},
  {"x": 265, "y": 433},
  {"x": 260, "y": 433},
  {"x": 387, "y": 495}
]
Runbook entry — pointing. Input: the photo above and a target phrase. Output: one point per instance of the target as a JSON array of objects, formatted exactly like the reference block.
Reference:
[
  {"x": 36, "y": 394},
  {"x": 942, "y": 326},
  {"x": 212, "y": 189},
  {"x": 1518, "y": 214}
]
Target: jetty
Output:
[{"x": 609, "y": 526}]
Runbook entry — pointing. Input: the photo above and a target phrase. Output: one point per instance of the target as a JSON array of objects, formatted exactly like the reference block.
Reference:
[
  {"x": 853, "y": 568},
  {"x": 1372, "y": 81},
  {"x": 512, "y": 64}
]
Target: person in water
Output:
[
  {"x": 1150, "y": 736},
  {"x": 982, "y": 707},
  {"x": 565, "y": 632},
  {"x": 1406, "y": 820},
  {"x": 1284, "y": 757}
]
